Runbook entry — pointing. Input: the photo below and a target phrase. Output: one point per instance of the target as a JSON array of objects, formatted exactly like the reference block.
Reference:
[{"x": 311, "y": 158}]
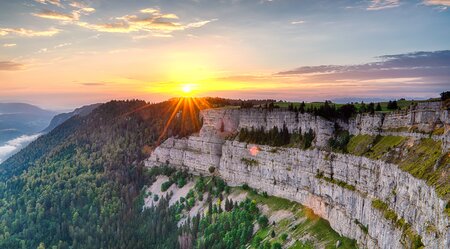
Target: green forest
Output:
[{"x": 79, "y": 186}]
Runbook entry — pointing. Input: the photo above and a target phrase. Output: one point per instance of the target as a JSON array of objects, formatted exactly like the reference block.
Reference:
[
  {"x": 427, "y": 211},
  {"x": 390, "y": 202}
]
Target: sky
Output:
[{"x": 62, "y": 54}]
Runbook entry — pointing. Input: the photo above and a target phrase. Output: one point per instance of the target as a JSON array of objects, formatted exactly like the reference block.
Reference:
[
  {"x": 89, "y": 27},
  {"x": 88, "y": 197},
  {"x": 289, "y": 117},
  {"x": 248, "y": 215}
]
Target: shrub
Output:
[
  {"x": 166, "y": 185},
  {"x": 276, "y": 245},
  {"x": 263, "y": 221},
  {"x": 181, "y": 182}
]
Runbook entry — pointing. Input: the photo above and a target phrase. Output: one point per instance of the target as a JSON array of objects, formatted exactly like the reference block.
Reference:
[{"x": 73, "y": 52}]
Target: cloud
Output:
[
  {"x": 418, "y": 74},
  {"x": 63, "y": 45},
  {"x": 402, "y": 65},
  {"x": 52, "y": 2},
  {"x": 14, "y": 145},
  {"x": 149, "y": 11},
  {"x": 9, "y": 45},
  {"x": 10, "y": 66},
  {"x": 49, "y": 14},
  {"x": 437, "y": 2},
  {"x": 298, "y": 22},
  {"x": 93, "y": 84},
  {"x": 42, "y": 50},
  {"x": 152, "y": 20},
  {"x": 383, "y": 4},
  {"x": 81, "y": 8},
  {"x": 170, "y": 16},
  {"x": 28, "y": 32}
]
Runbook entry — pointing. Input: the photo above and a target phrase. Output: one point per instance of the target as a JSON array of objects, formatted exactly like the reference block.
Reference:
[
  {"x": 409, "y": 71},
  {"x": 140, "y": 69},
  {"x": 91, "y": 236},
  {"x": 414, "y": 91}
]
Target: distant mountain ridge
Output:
[
  {"x": 17, "y": 119},
  {"x": 15, "y": 108},
  {"x": 63, "y": 117}
]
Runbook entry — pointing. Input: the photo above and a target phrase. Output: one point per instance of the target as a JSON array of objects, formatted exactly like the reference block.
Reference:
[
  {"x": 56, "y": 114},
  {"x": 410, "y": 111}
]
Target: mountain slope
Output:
[
  {"x": 63, "y": 117},
  {"x": 75, "y": 187}
]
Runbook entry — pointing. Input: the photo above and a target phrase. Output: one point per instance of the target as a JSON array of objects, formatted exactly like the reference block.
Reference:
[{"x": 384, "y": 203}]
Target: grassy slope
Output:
[
  {"x": 305, "y": 225},
  {"x": 423, "y": 158}
]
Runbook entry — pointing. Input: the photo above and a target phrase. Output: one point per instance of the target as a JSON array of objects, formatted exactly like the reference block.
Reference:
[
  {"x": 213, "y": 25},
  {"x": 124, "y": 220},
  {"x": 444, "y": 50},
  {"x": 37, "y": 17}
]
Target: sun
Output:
[{"x": 187, "y": 88}]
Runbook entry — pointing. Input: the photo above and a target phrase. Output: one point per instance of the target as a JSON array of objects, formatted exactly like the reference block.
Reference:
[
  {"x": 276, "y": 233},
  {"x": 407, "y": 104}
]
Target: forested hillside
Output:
[{"x": 78, "y": 186}]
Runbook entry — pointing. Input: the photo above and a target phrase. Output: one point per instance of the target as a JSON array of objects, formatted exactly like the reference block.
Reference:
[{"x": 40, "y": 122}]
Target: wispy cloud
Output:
[
  {"x": 418, "y": 74},
  {"x": 52, "y": 2},
  {"x": 54, "y": 15},
  {"x": 93, "y": 84},
  {"x": 10, "y": 66},
  {"x": 149, "y": 20},
  {"x": 297, "y": 22},
  {"x": 417, "y": 64},
  {"x": 63, "y": 45},
  {"x": 28, "y": 32},
  {"x": 149, "y": 11},
  {"x": 383, "y": 4},
  {"x": 437, "y": 2},
  {"x": 9, "y": 45}
]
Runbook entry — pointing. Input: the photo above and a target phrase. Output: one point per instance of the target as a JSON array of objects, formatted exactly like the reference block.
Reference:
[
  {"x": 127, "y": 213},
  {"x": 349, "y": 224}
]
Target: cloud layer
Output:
[
  {"x": 14, "y": 145},
  {"x": 417, "y": 64}
]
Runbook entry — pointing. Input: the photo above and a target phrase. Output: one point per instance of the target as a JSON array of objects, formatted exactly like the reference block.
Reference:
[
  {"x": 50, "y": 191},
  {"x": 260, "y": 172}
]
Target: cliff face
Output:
[
  {"x": 420, "y": 121},
  {"x": 339, "y": 187}
]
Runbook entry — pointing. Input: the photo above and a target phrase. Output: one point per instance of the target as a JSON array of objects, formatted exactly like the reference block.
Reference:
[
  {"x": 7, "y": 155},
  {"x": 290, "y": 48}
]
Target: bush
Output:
[
  {"x": 263, "y": 221},
  {"x": 445, "y": 96},
  {"x": 155, "y": 198},
  {"x": 276, "y": 245},
  {"x": 212, "y": 169},
  {"x": 165, "y": 186},
  {"x": 181, "y": 182},
  {"x": 339, "y": 141},
  {"x": 191, "y": 202}
]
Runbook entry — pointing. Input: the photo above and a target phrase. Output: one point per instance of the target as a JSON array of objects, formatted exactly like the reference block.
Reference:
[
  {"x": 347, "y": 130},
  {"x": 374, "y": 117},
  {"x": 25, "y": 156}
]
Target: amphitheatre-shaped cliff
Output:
[{"x": 389, "y": 187}]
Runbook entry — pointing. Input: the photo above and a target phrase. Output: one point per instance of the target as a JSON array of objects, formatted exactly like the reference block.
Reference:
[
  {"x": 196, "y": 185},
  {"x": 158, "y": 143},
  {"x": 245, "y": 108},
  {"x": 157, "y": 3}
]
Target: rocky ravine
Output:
[{"x": 293, "y": 173}]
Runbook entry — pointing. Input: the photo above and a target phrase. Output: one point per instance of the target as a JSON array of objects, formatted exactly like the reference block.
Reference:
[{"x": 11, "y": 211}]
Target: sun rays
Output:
[{"x": 184, "y": 116}]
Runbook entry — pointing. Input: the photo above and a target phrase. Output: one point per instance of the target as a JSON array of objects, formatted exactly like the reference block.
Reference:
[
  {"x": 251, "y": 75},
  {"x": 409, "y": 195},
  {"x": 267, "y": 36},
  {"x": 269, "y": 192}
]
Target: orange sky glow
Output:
[{"x": 64, "y": 54}]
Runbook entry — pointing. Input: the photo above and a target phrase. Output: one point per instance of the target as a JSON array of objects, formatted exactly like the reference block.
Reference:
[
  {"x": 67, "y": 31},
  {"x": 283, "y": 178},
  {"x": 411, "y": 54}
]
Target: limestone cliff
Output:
[{"x": 341, "y": 188}]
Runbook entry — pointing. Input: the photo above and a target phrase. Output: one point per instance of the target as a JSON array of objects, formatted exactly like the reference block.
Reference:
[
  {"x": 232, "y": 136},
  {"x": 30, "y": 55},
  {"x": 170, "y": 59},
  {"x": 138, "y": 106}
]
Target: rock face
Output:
[
  {"x": 235, "y": 119},
  {"x": 421, "y": 120},
  {"x": 304, "y": 176}
]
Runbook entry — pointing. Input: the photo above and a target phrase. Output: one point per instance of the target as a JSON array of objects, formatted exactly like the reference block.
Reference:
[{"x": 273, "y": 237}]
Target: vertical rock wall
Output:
[{"x": 293, "y": 173}]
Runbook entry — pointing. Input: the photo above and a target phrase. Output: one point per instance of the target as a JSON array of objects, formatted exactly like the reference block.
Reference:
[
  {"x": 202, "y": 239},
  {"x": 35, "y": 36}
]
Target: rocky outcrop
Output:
[
  {"x": 338, "y": 187},
  {"x": 235, "y": 119},
  {"x": 420, "y": 121}
]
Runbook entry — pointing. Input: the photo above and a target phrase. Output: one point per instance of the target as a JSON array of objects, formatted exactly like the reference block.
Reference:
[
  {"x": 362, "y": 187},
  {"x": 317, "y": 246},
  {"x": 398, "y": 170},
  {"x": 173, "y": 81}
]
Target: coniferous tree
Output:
[{"x": 378, "y": 108}]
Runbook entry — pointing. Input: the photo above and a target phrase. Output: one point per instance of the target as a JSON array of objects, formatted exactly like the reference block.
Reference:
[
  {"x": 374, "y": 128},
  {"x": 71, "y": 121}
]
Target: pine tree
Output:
[{"x": 378, "y": 108}]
